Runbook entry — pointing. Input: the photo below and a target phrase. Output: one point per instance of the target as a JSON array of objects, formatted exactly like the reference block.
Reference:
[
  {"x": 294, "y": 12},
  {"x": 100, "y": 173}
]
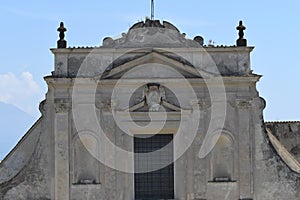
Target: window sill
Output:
[
  {"x": 222, "y": 180},
  {"x": 89, "y": 185}
]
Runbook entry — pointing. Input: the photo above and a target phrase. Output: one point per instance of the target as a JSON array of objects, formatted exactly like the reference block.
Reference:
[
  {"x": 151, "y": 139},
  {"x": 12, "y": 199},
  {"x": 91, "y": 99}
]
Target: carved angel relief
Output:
[
  {"x": 154, "y": 97},
  {"x": 154, "y": 94}
]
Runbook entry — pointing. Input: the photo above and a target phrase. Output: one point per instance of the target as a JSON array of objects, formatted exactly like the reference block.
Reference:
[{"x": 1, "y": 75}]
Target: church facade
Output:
[{"x": 153, "y": 115}]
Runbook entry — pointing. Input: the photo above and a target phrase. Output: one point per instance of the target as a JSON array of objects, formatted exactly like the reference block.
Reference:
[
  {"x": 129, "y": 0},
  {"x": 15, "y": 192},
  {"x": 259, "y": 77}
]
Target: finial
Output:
[
  {"x": 241, "y": 41},
  {"x": 61, "y": 43}
]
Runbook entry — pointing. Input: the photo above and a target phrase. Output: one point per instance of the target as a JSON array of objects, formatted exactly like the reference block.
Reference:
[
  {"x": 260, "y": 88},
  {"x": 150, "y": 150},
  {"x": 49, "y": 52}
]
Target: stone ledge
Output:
[{"x": 84, "y": 186}]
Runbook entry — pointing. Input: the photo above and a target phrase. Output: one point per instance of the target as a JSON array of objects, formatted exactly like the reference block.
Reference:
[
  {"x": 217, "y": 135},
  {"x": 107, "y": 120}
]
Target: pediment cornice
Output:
[{"x": 121, "y": 66}]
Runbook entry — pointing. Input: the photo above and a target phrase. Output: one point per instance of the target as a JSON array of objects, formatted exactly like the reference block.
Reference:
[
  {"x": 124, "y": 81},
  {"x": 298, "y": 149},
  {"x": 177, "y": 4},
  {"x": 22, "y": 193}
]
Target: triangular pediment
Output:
[{"x": 155, "y": 64}]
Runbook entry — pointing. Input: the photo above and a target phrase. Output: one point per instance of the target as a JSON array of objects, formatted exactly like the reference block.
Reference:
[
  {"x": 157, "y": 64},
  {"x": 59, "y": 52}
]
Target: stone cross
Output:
[
  {"x": 61, "y": 43},
  {"x": 241, "y": 29},
  {"x": 241, "y": 41}
]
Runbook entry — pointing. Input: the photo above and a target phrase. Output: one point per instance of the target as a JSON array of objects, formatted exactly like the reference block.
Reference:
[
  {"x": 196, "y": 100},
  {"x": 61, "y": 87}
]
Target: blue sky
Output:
[{"x": 28, "y": 30}]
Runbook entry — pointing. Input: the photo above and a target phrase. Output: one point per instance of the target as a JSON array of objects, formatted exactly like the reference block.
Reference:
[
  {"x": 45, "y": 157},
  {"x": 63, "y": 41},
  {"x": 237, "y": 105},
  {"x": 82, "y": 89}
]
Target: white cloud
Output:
[{"x": 21, "y": 91}]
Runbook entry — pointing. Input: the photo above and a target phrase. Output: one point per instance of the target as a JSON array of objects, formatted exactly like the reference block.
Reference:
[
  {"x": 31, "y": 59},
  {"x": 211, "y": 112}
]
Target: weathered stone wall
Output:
[
  {"x": 288, "y": 134},
  {"x": 26, "y": 173},
  {"x": 273, "y": 178}
]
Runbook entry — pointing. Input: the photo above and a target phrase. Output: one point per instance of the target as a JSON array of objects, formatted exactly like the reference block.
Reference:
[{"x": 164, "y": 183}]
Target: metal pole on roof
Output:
[{"x": 152, "y": 9}]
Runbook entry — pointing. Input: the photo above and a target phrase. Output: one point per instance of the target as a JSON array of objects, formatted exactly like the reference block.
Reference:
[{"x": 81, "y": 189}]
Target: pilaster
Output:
[
  {"x": 61, "y": 150},
  {"x": 244, "y": 146}
]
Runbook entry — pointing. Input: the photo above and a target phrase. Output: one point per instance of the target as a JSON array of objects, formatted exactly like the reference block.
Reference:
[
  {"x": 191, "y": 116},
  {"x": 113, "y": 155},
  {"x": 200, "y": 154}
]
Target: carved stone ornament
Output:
[
  {"x": 154, "y": 95},
  {"x": 152, "y": 33},
  {"x": 243, "y": 103},
  {"x": 203, "y": 104},
  {"x": 61, "y": 106},
  {"x": 106, "y": 105}
]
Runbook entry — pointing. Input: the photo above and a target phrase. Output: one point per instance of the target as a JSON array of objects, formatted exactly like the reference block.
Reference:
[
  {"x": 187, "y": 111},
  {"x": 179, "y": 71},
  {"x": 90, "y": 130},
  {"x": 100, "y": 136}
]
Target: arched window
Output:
[
  {"x": 86, "y": 165},
  {"x": 222, "y": 159}
]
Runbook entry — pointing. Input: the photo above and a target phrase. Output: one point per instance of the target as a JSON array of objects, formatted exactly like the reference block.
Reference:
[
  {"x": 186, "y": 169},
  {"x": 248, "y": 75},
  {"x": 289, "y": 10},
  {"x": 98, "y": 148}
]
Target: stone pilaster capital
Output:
[
  {"x": 243, "y": 103},
  {"x": 62, "y": 106},
  {"x": 105, "y": 106},
  {"x": 202, "y": 104}
]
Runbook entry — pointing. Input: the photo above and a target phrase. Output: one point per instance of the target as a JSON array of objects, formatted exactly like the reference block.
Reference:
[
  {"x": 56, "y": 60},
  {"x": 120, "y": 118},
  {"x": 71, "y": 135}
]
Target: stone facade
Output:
[{"x": 153, "y": 80}]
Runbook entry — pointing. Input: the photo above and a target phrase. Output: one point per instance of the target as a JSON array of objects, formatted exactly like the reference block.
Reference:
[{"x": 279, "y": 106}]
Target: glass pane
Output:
[{"x": 157, "y": 184}]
